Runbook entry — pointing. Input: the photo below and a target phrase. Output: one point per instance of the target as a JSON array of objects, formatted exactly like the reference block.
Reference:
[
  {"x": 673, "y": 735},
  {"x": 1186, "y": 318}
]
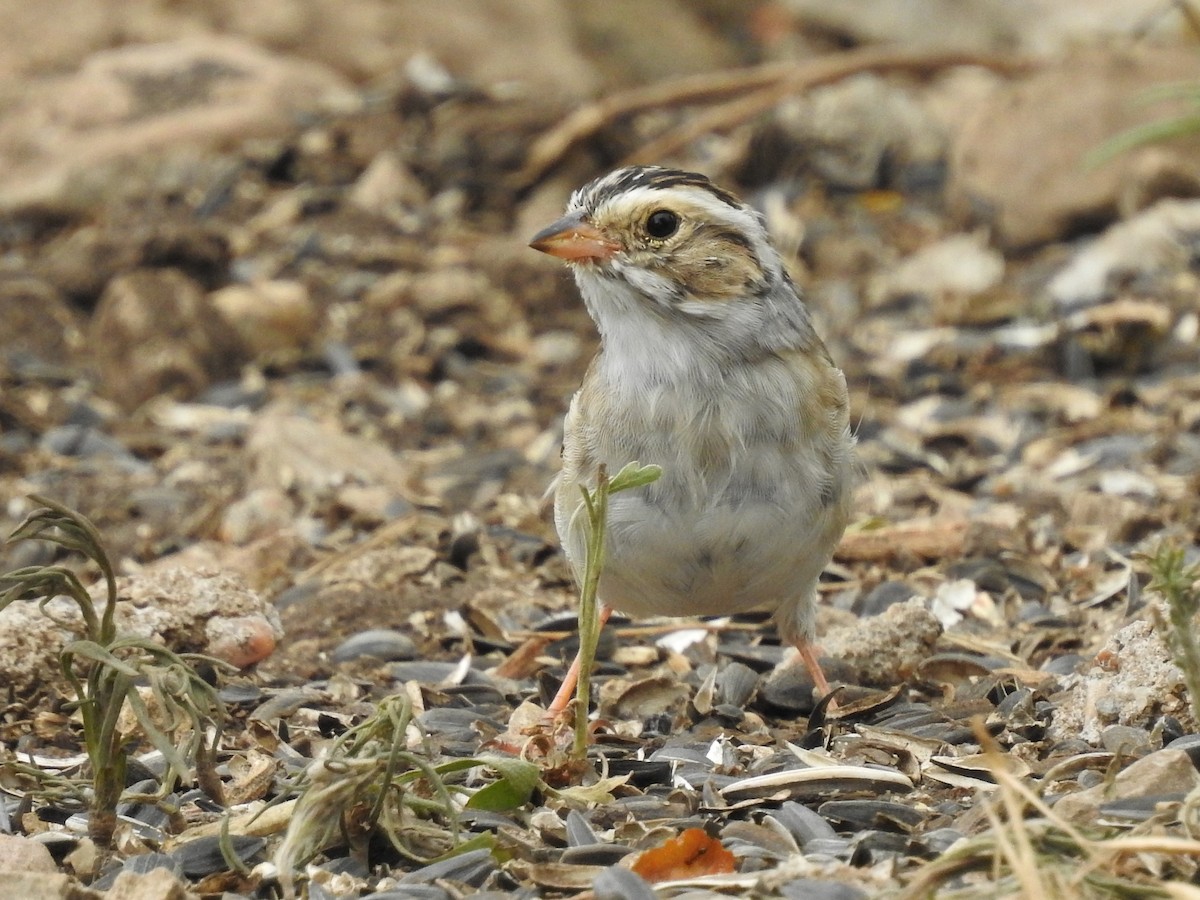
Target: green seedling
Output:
[
  {"x": 595, "y": 503},
  {"x": 110, "y": 672},
  {"x": 1179, "y": 586}
]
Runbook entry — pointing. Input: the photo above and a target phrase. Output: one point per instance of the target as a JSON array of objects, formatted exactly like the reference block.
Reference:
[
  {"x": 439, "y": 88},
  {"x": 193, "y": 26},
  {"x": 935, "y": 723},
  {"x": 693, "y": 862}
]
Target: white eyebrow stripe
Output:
[{"x": 712, "y": 207}]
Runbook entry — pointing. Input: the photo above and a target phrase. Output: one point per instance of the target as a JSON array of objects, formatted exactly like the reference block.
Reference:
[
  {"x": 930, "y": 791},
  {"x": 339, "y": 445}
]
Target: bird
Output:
[{"x": 710, "y": 367}]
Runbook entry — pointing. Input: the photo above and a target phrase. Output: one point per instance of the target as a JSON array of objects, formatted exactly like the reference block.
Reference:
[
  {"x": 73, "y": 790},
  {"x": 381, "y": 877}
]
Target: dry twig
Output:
[{"x": 766, "y": 86}]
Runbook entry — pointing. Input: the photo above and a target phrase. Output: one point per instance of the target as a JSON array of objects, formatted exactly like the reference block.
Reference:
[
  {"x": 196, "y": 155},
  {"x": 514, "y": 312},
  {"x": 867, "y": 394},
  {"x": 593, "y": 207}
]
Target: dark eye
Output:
[{"x": 662, "y": 223}]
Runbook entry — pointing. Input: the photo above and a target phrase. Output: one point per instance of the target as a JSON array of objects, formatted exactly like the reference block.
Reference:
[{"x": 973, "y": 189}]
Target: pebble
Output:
[
  {"x": 85, "y": 442},
  {"x": 140, "y": 353},
  {"x": 20, "y": 854},
  {"x": 268, "y": 316}
]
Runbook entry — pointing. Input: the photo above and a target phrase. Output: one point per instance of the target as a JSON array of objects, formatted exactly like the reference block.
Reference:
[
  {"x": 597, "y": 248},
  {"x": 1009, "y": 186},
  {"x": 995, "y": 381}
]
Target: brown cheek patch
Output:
[{"x": 716, "y": 267}]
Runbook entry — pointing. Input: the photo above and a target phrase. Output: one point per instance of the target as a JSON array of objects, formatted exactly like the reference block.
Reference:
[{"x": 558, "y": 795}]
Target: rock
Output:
[
  {"x": 268, "y": 316},
  {"x": 388, "y": 188},
  {"x": 46, "y": 886},
  {"x": 187, "y": 610},
  {"x": 157, "y": 884},
  {"x": 1160, "y": 238},
  {"x": 532, "y": 42},
  {"x": 849, "y": 132},
  {"x": 883, "y": 650},
  {"x": 156, "y": 332},
  {"x": 1019, "y": 162},
  {"x": 128, "y": 101},
  {"x": 178, "y": 603},
  {"x": 241, "y": 641},
  {"x": 960, "y": 266},
  {"x": 1162, "y": 772},
  {"x": 961, "y": 24},
  {"x": 19, "y": 854},
  {"x": 260, "y": 513},
  {"x": 36, "y": 325},
  {"x": 263, "y": 564},
  {"x": 483, "y": 41},
  {"x": 293, "y": 452},
  {"x": 1030, "y": 26},
  {"x": 615, "y": 37},
  {"x": 1133, "y": 681}
]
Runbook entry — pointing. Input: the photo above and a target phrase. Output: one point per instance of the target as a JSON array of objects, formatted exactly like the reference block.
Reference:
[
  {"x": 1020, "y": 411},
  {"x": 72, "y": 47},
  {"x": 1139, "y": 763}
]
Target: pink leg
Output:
[
  {"x": 808, "y": 653},
  {"x": 567, "y": 690}
]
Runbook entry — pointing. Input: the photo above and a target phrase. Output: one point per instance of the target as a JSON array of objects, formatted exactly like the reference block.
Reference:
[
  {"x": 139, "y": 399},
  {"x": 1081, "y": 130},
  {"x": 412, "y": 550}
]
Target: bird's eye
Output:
[{"x": 662, "y": 223}]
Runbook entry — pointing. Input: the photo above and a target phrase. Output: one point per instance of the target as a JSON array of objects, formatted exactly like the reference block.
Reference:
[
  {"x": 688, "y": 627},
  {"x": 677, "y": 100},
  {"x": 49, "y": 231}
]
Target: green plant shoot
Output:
[
  {"x": 105, "y": 668},
  {"x": 1180, "y": 587},
  {"x": 595, "y": 501}
]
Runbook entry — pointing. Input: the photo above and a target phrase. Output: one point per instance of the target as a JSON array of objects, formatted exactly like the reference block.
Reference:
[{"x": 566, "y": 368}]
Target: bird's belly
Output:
[
  {"x": 711, "y": 559},
  {"x": 753, "y": 497}
]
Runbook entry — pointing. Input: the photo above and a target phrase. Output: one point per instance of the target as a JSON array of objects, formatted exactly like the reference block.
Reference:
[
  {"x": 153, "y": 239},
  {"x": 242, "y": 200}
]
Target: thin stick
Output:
[{"x": 772, "y": 81}]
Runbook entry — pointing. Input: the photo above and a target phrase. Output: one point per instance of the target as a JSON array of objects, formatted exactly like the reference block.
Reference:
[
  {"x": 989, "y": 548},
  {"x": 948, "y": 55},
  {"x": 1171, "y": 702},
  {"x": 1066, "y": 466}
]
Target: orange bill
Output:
[{"x": 574, "y": 239}]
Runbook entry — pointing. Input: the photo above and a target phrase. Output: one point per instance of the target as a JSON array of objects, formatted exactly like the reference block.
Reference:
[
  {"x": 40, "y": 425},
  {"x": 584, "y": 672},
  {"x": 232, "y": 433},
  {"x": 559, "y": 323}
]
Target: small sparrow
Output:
[{"x": 709, "y": 367}]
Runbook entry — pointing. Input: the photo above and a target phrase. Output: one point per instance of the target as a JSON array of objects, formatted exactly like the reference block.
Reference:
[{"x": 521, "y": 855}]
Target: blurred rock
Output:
[
  {"x": 156, "y": 332},
  {"x": 46, "y": 886},
  {"x": 1028, "y": 26},
  {"x": 1161, "y": 238},
  {"x": 20, "y": 854},
  {"x": 293, "y": 452},
  {"x": 956, "y": 267},
  {"x": 388, "y": 188},
  {"x": 483, "y": 40},
  {"x": 262, "y": 512},
  {"x": 186, "y": 610},
  {"x": 850, "y": 132},
  {"x": 36, "y": 325},
  {"x": 633, "y": 42},
  {"x": 1019, "y": 164},
  {"x": 157, "y": 884},
  {"x": 268, "y": 316},
  {"x": 194, "y": 92}
]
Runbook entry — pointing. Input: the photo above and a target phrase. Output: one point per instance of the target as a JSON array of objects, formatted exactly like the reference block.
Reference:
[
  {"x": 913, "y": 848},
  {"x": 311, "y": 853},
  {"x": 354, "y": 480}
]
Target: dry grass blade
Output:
[{"x": 1046, "y": 856}]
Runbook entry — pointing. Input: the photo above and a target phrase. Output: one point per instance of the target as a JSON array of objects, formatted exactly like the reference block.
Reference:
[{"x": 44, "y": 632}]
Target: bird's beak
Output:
[{"x": 575, "y": 239}]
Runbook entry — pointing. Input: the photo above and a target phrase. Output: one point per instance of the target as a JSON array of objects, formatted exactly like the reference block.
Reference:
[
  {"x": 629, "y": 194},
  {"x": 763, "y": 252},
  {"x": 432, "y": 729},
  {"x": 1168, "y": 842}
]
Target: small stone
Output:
[
  {"x": 18, "y": 854},
  {"x": 241, "y": 641},
  {"x": 1161, "y": 772},
  {"x": 388, "y": 187},
  {"x": 268, "y": 316},
  {"x": 155, "y": 332},
  {"x": 261, "y": 512},
  {"x": 881, "y": 651}
]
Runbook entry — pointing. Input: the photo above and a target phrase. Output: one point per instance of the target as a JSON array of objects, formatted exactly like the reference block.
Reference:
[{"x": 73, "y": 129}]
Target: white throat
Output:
[{"x": 643, "y": 347}]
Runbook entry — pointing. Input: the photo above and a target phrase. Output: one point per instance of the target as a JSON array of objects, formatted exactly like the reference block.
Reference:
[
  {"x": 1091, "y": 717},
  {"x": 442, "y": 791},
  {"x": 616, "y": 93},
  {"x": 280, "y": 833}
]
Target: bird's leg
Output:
[
  {"x": 808, "y": 653},
  {"x": 562, "y": 699}
]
